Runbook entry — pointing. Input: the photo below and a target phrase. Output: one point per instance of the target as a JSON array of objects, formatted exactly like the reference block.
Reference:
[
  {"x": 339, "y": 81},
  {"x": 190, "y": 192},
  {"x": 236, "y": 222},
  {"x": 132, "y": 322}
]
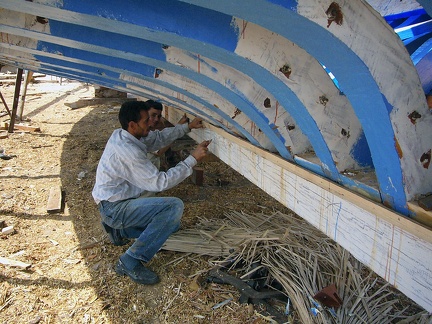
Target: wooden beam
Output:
[{"x": 371, "y": 206}]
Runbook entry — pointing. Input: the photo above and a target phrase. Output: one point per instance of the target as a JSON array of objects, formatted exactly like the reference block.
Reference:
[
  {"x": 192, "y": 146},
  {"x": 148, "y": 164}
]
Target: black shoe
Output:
[
  {"x": 114, "y": 235},
  {"x": 139, "y": 274}
]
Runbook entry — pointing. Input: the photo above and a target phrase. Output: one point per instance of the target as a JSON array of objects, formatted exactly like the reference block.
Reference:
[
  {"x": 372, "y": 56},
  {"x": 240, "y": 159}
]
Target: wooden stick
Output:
[
  {"x": 5, "y": 104},
  {"x": 14, "y": 263}
]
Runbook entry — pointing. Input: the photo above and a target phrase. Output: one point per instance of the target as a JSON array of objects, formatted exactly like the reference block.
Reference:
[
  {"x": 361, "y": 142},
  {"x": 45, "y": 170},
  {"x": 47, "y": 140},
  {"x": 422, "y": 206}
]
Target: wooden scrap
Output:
[
  {"x": 7, "y": 230},
  {"x": 7, "y": 82},
  {"x": 22, "y": 127},
  {"x": 54, "y": 242},
  {"x": 7, "y": 76},
  {"x": 4, "y": 135},
  {"x": 55, "y": 200},
  {"x": 426, "y": 202},
  {"x": 14, "y": 263}
]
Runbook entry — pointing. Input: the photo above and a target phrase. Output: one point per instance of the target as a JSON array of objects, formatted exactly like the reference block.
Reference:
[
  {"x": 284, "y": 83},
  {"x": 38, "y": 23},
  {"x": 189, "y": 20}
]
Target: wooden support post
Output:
[
  {"x": 5, "y": 104},
  {"x": 27, "y": 78},
  {"x": 16, "y": 98}
]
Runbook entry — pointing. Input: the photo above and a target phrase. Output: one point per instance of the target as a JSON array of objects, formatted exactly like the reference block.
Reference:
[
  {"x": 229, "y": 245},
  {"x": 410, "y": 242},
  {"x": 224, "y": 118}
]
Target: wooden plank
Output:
[
  {"x": 55, "y": 200},
  {"x": 22, "y": 127},
  {"x": 367, "y": 204},
  {"x": 394, "y": 246},
  {"x": 84, "y": 102}
]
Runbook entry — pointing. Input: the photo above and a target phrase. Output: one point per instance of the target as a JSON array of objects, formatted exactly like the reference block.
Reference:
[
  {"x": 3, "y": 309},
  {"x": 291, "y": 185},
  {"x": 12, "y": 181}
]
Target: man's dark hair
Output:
[
  {"x": 131, "y": 111},
  {"x": 154, "y": 104}
]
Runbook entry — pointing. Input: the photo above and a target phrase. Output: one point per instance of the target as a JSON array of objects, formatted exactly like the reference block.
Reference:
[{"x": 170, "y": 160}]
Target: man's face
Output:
[
  {"x": 142, "y": 127},
  {"x": 154, "y": 117}
]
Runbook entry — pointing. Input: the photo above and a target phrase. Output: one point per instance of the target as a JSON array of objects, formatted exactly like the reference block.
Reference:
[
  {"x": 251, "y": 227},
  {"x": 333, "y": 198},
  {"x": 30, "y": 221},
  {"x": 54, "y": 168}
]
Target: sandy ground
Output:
[{"x": 71, "y": 278}]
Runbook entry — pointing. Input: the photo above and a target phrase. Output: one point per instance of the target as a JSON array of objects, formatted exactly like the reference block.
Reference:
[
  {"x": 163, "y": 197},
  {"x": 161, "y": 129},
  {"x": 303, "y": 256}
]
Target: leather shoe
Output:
[
  {"x": 114, "y": 235},
  {"x": 139, "y": 274}
]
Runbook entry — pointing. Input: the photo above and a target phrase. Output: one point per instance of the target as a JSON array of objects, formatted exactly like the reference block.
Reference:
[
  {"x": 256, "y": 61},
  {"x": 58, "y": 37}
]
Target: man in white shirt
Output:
[
  {"x": 159, "y": 124},
  {"x": 124, "y": 173}
]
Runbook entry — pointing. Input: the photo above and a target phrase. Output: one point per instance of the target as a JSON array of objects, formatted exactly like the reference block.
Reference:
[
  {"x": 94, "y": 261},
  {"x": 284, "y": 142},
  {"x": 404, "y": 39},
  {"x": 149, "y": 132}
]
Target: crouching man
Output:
[{"x": 124, "y": 173}]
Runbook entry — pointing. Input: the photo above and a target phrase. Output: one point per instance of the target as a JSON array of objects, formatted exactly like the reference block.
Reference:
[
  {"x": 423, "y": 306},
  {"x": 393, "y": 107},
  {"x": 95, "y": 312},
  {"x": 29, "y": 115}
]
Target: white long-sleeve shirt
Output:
[{"x": 125, "y": 172}]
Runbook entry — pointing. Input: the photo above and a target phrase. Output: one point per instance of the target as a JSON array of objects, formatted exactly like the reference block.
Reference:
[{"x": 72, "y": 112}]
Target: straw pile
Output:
[{"x": 302, "y": 260}]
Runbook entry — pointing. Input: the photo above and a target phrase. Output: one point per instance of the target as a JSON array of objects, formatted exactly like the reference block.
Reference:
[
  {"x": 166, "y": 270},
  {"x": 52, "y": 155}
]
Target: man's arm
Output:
[
  {"x": 147, "y": 177},
  {"x": 158, "y": 139}
]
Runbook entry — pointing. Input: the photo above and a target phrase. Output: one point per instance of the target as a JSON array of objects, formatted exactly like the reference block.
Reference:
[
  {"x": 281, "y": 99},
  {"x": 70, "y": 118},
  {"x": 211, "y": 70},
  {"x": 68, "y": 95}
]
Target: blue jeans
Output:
[{"x": 150, "y": 220}]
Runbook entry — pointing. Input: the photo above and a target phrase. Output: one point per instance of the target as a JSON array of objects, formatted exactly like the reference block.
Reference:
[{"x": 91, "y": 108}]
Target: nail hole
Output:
[
  {"x": 414, "y": 116},
  {"x": 323, "y": 100},
  {"x": 158, "y": 72},
  {"x": 42, "y": 20},
  {"x": 334, "y": 13},
  {"x": 286, "y": 70},
  {"x": 346, "y": 133},
  {"x": 425, "y": 159},
  {"x": 236, "y": 113}
]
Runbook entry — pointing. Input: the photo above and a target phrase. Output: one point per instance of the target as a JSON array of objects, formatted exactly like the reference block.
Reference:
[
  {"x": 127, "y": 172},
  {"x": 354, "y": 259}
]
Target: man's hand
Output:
[
  {"x": 184, "y": 119},
  {"x": 201, "y": 150},
  {"x": 196, "y": 123}
]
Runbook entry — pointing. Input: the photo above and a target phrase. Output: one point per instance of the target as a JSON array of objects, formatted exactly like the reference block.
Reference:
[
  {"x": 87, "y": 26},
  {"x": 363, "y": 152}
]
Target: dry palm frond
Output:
[{"x": 298, "y": 257}]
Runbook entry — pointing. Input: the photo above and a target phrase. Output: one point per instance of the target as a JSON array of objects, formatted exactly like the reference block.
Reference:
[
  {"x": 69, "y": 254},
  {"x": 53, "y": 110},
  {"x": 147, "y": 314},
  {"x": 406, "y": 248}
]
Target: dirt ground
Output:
[{"x": 71, "y": 278}]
